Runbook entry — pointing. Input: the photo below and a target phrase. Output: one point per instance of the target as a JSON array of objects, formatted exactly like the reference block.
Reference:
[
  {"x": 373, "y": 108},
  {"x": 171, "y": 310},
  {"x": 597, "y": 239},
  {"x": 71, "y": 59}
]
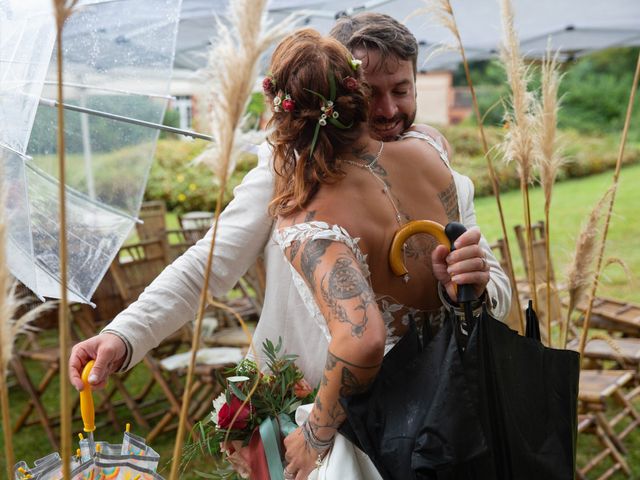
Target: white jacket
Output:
[{"x": 243, "y": 234}]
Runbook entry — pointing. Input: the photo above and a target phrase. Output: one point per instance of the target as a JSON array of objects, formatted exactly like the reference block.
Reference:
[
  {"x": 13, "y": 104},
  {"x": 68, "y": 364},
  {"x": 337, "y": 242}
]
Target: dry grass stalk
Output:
[
  {"x": 624, "y": 265},
  {"x": 519, "y": 143},
  {"x": 549, "y": 156},
  {"x": 614, "y": 189},
  {"x": 615, "y": 346},
  {"x": 63, "y": 10},
  {"x": 230, "y": 77},
  {"x": 442, "y": 12},
  {"x": 581, "y": 270}
]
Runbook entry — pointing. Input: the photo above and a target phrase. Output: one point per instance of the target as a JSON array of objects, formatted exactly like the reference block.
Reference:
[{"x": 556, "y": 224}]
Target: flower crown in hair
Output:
[
  {"x": 281, "y": 100},
  {"x": 329, "y": 114}
]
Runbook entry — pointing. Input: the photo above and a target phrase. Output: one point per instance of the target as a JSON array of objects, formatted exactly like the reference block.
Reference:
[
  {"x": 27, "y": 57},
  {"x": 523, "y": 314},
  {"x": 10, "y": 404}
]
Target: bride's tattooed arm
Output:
[{"x": 344, "y": 296}]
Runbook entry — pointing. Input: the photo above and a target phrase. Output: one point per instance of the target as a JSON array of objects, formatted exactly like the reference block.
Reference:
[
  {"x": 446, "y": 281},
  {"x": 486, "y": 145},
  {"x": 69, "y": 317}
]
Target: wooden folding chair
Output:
[
  {"x": 154, "y": 227},
  {"x": 246, "y": 301},
  {"x": 196, "y": 220},
  {"x": 499, "y": 249},
  {"x": 134, "y": 268},
  {"x": 598, "y": 390},
  {"x": 36, "y": 364},
  {"x": 180, "y": 240},
  {"x": 614, "y": 316},
  {"x": 590, "y": 424},
  {"x": 540, "y": 275}
]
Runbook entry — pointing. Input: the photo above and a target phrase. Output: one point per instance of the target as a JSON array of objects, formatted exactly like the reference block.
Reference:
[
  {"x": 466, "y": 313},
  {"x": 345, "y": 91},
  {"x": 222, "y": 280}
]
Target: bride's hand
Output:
[
  {"x": 238, "y": 457},
  {"x": 300, "y": 457}
]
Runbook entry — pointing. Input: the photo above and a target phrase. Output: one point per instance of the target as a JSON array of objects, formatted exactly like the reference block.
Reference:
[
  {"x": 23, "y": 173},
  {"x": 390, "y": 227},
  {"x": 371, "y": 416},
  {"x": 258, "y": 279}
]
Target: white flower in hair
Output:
[{"x": 355, "y": 63}]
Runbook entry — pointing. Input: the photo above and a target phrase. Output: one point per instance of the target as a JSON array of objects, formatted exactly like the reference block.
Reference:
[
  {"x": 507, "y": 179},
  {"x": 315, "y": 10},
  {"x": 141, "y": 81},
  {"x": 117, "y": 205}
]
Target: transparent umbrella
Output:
[{"x": 118, "y": 57}]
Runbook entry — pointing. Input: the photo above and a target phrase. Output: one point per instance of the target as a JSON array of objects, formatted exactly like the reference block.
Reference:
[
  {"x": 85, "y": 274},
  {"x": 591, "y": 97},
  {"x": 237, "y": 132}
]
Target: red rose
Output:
[
  {"x": 288, "y": 105},
  {"x": 350, "y": 84},
  {"x": 267, "y": 85},
  {"x": 228, "y": 411},
  {"x": 302, "y": 389}
]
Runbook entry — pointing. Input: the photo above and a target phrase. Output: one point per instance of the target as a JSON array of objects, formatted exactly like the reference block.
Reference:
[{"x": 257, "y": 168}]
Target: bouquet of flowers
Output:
[{"x": 243, "y": 434}]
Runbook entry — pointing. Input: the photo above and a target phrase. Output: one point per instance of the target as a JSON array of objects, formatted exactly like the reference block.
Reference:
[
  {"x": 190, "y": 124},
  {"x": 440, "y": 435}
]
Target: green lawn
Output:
[{"x": 571, "y": 204}]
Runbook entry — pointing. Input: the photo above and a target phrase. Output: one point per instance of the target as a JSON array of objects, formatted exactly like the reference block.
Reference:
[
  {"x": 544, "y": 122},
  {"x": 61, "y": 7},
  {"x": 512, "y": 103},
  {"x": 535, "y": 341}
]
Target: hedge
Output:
[{"x": 186, "y": 187}]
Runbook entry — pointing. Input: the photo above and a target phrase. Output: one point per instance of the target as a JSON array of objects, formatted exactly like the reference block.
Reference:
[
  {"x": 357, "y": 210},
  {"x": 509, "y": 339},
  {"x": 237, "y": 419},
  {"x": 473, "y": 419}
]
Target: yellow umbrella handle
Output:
[
  {"x": 86, "y": 400},
  {"x": 396, "y": 259},
  {"x": 444, "y": 235}
]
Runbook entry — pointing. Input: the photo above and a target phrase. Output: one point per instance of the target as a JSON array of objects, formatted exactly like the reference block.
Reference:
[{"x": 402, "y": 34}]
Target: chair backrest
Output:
[
  {"x": 539, "y": 251},
  {"x": 153, "y": 215},
  {"x": 136, "y": 266},
  {"x": 540, "y": 271},
  {"x": 197, "y": 220},
  {"x": 499, "y": 249}
]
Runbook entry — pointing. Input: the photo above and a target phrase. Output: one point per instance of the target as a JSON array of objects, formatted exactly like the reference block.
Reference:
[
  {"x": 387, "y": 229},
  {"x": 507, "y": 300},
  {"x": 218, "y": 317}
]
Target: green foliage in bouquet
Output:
[{"x": 249, "y": 397}]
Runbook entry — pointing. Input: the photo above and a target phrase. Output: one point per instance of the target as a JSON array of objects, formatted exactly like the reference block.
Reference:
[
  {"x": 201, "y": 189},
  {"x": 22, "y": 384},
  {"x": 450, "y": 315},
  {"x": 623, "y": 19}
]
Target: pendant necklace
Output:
[{"x": 385, "y": 189}]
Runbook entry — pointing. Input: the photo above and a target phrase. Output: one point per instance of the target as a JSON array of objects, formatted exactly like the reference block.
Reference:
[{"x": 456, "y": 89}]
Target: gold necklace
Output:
[{"x": 385, "y": 189}]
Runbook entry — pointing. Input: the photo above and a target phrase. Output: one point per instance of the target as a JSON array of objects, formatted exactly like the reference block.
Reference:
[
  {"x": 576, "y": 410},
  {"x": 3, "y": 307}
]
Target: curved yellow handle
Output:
[
  {"x": 396, "y": 260},
  {"x": 86, "y": 400}
]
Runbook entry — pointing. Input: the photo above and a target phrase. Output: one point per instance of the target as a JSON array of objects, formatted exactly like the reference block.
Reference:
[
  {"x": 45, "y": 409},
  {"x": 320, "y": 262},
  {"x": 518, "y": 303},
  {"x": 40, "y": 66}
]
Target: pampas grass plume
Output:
[
  {"x": 581, "y": 269},
  {"x": 230, "y": 76},
  {"x": 519, "y": 141},
  {"x": 549, "y": 156}
]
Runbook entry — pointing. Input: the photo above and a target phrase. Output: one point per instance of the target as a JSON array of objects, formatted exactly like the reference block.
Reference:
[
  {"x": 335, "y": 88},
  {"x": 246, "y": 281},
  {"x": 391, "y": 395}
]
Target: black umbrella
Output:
[{"x": 505, "y": 409}]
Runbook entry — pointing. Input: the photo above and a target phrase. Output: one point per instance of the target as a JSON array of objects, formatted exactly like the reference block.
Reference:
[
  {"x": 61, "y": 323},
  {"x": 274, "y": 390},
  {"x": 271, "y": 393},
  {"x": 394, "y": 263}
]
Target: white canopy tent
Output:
[{"x": 575, "y": 26}]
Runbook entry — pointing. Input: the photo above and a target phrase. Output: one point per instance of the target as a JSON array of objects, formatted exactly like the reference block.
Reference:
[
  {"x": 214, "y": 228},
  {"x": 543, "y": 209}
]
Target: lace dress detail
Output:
[
  {"x": 437, "y": 144},
  {"x": 390, "y": 309}
]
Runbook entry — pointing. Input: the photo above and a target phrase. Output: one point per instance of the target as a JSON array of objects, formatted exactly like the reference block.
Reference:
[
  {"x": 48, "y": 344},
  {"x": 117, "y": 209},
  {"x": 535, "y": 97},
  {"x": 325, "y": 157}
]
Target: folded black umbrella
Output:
[{"x": 506, "y": 409}]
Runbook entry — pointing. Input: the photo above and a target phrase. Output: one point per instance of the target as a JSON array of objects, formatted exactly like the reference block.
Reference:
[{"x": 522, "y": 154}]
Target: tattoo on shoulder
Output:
[
  {"x": 346, "y": 282},
  {"x": 311, "y": 254},
  {"x": 449, "y": 199},
  {"x": 368, "y": 157},
  {"x": 293, "y": 251},
  {"x": 310, "y": 216}
]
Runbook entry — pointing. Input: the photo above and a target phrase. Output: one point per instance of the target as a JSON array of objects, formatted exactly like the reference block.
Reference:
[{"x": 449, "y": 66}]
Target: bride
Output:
[{"x": 339, "y": 197}]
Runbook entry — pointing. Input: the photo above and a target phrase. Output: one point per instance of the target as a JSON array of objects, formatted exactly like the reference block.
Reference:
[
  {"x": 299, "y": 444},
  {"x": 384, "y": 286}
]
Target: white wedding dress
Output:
[{"x": 344, "y": 461}]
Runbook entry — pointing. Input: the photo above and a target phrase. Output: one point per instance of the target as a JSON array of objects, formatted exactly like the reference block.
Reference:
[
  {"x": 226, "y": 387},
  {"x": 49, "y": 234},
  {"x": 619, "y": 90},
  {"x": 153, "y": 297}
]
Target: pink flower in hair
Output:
[
  {"x": 268, "y": 84},
  {"x": 350, "y": 84},
  {"x": 288, "y": 104}
]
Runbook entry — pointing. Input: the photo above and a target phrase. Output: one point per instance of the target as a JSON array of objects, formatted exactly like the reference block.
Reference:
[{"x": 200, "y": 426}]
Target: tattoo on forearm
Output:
[
  {"x": 449, "y": 199},
  {"x": 345, "y": 282},
  {"x": 310, "y": 259},
  {"x": 350, "y": 385},
  {"x": 332, "y": 361},
  {"x": 334, "y": 418}
]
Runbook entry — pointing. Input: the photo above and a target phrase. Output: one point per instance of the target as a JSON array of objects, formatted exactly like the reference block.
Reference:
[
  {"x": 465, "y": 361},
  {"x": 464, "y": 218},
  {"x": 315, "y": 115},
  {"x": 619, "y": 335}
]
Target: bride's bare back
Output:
[{"x": 419, "y": 185}]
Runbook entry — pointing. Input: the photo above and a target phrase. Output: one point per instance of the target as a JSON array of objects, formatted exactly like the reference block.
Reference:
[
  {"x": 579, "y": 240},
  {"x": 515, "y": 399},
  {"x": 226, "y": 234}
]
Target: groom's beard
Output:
[{"x": 388, "y": 129}]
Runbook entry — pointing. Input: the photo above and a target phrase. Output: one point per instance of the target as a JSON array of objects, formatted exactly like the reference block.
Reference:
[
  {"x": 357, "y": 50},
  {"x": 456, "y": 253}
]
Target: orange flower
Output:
[{"x": 302, "y": 389}]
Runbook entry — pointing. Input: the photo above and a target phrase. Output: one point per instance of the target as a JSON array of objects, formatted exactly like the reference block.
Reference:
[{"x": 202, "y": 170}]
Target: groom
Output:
[{"x": 389, "y": 55}]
